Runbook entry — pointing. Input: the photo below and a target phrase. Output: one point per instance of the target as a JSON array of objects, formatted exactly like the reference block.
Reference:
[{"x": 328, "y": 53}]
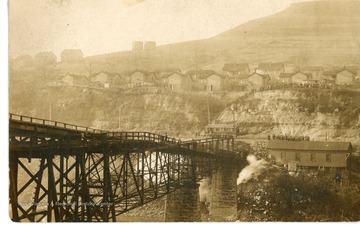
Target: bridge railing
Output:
[
  {"x": 143, "y": 136},
  {"x": 52, "y": 123},
  {"x": 207, "y": 144}
]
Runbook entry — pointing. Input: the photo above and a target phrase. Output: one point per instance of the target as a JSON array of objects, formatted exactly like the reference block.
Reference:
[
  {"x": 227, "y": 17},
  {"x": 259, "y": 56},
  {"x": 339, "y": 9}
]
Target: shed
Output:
[
  {"x": 258, "y": 80},
  {"x": 345, "y": 77},
  {"x": 177, "y": 81},
  {"x": 310, "y": 153},
  {"x": 215, "y": 83}
]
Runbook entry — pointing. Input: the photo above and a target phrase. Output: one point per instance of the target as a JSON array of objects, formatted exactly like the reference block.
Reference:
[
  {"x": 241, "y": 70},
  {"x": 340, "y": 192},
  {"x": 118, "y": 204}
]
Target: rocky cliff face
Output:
[{"x": 298, "y": 112}]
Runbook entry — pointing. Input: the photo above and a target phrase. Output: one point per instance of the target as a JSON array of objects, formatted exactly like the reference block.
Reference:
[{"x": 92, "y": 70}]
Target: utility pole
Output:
[
  {"x": 208, "y": 111},
  {"x": 50, "y": 110},
  {"x": 119, "y": 119}
]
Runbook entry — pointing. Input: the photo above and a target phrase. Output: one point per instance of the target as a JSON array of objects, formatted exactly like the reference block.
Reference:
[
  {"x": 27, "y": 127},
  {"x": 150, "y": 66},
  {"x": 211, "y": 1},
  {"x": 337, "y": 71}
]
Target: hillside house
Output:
[
  {"x": 272, "y": 69},
  {"x": 233, "y": 70},
  {"x": 177, "y": 81},
  {"x": 285, "y": 77},
  {"x": 199, "y": 78},
  {"x": 310, "y": 153},
  {"x": 74, "y": 80},
  {"x": 300, "y": 77},
  {"x": 107, "y": 80},
  {"x": 215, "y": 83},
  {"x": 257, "y": 80},
  {"x": 141, "y": 78},
  {"x": 242, "y": 80},
  {"x": 197, "y": 75},
  {"x": 161, "y": 75},
  {"x": 72, "y": 56},
  {"x": 345, "y": 77},
  {"x": 315, "y": 71}
]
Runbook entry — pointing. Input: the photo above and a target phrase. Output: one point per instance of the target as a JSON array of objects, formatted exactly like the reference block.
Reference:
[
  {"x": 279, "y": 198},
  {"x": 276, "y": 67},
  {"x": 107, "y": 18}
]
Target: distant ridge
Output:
[{"x": 307, "y": 33}]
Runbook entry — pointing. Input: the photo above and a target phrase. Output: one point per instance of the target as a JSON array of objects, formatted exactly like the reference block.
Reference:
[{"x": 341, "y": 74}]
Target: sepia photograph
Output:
[{"x": 183, "y": 111}]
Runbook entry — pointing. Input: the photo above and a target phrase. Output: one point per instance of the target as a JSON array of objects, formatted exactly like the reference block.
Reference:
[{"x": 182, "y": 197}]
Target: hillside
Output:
[
  {"x": 311, "y": 33},
  {"x": 177, "y": 114},
  {"x": 319, "y": 114}
]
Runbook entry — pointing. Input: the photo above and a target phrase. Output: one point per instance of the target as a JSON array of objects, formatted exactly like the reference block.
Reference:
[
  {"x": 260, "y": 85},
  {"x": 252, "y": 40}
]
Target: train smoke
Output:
[{"x": 253, "y": 170}]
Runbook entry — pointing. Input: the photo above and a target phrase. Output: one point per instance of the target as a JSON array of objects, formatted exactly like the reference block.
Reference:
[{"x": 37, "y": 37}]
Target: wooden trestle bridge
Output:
[{"x": 62, "y": 172}]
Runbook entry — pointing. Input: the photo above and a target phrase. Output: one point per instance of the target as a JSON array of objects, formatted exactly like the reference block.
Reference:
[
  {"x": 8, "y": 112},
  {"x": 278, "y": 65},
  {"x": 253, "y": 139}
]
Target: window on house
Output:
[
  {"x": 297, "y": 156},
  {"x": 313, "y": 157},
  {"x": 328, "y": 158}
]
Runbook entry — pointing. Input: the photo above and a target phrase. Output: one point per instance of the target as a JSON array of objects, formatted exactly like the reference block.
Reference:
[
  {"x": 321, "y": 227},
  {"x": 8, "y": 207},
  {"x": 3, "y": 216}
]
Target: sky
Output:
[{"x": 104, "y": 26}]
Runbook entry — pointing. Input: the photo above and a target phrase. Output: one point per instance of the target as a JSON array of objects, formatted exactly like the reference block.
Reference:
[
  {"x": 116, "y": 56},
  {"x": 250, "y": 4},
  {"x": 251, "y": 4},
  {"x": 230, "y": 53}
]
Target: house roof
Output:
[
  {"x": 168, "y": 75},
  {"x": 352, "y": 69},
  {"x": 262, "y": 75},
  {"x": 111, "y": 74},
  {"x": 141, "y": 71},
  {"x": 233, "y": 67},
  {"x": 309, "y": 145},
  {"x": 75, "y": 76},
  {"x": 271, "y": 66},
  {"x": 307, "y": 74},
  {"x": 345, "y": 69},
  {"x": 164, "y": 73},
  {"x": 200, "y": 72},
  {"x": 311, "y": 68}
]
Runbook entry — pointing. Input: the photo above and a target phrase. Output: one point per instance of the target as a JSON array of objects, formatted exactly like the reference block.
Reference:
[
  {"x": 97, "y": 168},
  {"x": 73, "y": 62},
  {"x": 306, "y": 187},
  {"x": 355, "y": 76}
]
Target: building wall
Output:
[
  {"x": 344, "y": 77},
  {"x": 175, "y": 82},
  {"x": 285, "y": 79},
  {"x": 137, "y": 78},
  {"x": 283, "y": 157},
  {"x": 102, "y": 77},
  {"x": 317, "y": 74},
  {"x": 298, "y": 78},
  {"x": 213, "y": 83},
  {"x": 256, "y": 80}
]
